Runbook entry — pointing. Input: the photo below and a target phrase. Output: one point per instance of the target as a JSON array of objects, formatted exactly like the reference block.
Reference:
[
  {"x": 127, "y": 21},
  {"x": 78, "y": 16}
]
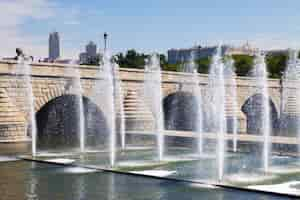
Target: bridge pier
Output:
[{"x": 12, "y": 122}]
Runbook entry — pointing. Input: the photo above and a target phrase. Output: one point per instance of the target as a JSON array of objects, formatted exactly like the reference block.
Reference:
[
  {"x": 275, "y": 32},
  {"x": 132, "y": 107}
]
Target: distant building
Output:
[
  {"x": 198, "y": 52},
  {"x": 54, "y": 47},
  {"x": 90, "y": 56},
  {"x": 245, "y": 49},
  {"x": 91, "y": 49},
  {"x": 83, "y": 58}
]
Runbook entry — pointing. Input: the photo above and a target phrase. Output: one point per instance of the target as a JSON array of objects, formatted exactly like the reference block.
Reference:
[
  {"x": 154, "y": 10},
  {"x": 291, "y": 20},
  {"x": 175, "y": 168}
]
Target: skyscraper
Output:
[
  {"x": 90, "y": 56},
  {"x": 54, "y": 49},
  {"x": 91, "y": 49}
]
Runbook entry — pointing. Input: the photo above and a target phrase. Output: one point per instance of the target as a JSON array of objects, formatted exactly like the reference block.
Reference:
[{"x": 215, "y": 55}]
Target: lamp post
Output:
[{"x": 105, "y": 35}]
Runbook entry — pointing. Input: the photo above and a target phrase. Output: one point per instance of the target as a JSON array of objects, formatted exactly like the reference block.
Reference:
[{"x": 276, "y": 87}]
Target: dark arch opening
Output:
[
  {"x": 180, "y": 113},
  {"x": 57, "y": 124},
  {"x": 252, "y": 108}
]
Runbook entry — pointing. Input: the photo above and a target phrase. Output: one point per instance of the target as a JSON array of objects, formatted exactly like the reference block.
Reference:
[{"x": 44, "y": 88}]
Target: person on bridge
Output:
[{"x": 19, "y": 53}]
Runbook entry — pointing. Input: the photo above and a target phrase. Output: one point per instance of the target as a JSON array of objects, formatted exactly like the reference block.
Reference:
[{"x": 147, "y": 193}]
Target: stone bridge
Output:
[{"x": 50, "y": 82}]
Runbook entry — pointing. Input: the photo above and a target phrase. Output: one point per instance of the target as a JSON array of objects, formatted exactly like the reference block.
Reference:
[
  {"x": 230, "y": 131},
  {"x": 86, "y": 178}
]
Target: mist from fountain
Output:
[
  {"x": 260, "y": 75},
  {"x": 109, "y": 94},
  {"x": 196, "y": 89},
  {"x": 231, "y": 82},
  {"x": 74, "y": 72},
  {"x": 217, "y": 92},
  {"x": 292, "y": 71},
  {"x": 23, "y": 72},
  {"x": 120, "y": 98},
  {"x": 291, "y": 88},
  {"x": 153, "y": 96}
]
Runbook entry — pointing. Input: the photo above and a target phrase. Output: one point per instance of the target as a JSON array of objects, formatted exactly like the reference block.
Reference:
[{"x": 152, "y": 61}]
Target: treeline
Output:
[
  {"x": 243, "y": 64},
  {"x": 133, "y": 59}
]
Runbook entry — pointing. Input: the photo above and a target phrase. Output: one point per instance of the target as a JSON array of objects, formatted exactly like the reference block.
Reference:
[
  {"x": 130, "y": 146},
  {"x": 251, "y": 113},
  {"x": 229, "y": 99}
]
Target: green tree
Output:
[
  {"x": 276, "y": 64},
  {"x": 171, "y": 67},
  {"x": 243, "y": 64},
  {"x": 167, "y": 66},
  {"x": 131, "y": 59},
  {"x": 163, "y": 60},
  {"x": 203, "y": 65}
]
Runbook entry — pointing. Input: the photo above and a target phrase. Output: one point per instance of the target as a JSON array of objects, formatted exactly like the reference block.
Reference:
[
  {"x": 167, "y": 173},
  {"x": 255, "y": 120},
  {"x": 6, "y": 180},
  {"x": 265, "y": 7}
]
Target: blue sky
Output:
[{"x": 152, "y": 25}]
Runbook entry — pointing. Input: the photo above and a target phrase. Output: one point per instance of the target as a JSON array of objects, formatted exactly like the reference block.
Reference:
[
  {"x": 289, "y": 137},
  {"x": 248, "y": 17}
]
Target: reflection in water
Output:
[
  {"x": 49, "y": 182},
  {"x": 32, "y": 184},
  {"x": 111, "y": 187},
  {"x": 81, "y": 188}
]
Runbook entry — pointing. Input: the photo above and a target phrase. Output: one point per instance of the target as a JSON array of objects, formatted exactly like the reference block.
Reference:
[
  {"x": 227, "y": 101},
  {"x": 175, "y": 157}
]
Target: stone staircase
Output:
[
  {"x": 292, "y": 106},
  {"x": 137, "y": 113}
]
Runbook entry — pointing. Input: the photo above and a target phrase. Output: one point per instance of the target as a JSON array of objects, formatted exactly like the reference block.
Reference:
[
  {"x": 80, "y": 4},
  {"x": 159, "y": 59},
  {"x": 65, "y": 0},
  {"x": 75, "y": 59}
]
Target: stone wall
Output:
[{"x": 51, "y": 80}]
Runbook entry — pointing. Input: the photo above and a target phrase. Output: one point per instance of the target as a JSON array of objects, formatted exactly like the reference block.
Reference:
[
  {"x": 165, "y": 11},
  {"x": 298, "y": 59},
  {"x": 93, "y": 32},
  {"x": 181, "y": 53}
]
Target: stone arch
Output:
[
  {"x": 170, "y": 89},
  {"x": 47, "y": 96},
  {"x": 252, "y": 108},
  {"x": 245, "y": 93},
  {"x": 180, "y": 111},
  {"x": 57, "y": 123},
  {"x": 275, "y": 96}
]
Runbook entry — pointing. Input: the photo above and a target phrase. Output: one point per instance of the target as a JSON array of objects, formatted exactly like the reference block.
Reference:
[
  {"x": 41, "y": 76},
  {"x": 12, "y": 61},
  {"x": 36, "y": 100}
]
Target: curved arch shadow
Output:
[
  {"x": 180, "y": 113},
  {"x": 252, "y": 108},
  {"x": 58, "y": 124}
]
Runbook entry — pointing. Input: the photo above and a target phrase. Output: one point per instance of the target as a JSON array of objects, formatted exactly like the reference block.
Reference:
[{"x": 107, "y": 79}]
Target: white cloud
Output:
[{"x": 13, "y": 14}]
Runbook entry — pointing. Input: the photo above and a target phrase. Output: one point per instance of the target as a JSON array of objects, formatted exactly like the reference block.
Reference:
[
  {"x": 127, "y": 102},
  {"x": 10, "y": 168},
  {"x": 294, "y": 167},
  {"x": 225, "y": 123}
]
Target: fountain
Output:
[
  {"x": 23, "y": 72},
  {"x": 229, "y": 168},
  {"x": 120, "y": 98},
  {"x": 231, "y": 81},
  {"x": 290, "y": 97},
  {"x": 109, "y": 92},
  {"x": 192, "y": 67},
  {"x": 77, "y": 89},
  {"x": 217, "y": 89},
  {"x": 260, "y": 74},
  {"x": 153, "y": 96}
]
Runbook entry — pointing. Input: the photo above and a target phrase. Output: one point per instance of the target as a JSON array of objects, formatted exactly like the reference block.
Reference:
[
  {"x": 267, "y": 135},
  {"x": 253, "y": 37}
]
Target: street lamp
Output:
[{"x": 105, "y": 35}]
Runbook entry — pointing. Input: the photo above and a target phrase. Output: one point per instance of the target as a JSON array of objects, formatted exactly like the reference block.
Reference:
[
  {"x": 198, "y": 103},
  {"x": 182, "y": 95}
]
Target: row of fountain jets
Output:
[{"x": 221, "y": 73}]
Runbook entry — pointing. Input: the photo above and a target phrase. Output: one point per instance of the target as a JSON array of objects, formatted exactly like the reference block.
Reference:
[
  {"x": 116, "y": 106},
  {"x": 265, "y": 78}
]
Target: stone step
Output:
[
  {"x": 139, "y": 117},
  {"x": 9, "y": 119},
  {"x": 135, "y": 107},
  {"x": 13, "y": 113},
  {"x": 137, "y": 112},
  {"x": 131, "y": 101}
]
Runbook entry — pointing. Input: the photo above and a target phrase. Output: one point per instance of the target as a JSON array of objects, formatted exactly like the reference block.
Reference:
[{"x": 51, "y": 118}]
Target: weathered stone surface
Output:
[{"x": 50, "y": 80}]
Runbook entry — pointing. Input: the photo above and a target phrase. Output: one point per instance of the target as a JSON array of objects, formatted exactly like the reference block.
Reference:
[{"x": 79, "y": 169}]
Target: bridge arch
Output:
[
  {"x": 180, "y": 111},
  {"x": 252, "y": 108},
  {"x": 57, "y": 123}
]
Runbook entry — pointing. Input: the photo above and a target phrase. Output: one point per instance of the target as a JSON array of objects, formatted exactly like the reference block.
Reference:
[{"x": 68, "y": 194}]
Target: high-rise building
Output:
[
  {"x": 90, "y": 56},
  {"x": 91, "y": 49},
  {"x": 54, "y": 48}
]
